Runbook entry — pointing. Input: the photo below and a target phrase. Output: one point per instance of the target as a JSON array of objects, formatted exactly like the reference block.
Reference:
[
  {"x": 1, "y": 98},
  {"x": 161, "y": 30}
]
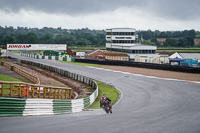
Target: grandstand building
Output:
[{"x": 125, "y": 40}]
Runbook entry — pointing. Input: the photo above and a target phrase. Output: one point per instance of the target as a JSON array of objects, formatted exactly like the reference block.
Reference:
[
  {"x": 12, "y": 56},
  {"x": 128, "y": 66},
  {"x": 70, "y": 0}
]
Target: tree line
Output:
[
  {"x": 173, "y": 38},
  {"x": 85, "y": 36},
  {"x": 75, "y": 37}
]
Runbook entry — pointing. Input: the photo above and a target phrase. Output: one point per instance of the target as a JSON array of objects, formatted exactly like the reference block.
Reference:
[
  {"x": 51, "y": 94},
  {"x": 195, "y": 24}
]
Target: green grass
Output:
[
  {"x": 15, "y": 51},
  {"x": 180, "y": 51},
  {"x": 7, "y": 78},
  {"x": 110, "y": 92},
  {"x": 86, "y": 48},
  {"x": 175, "y": 48},
  {"x": 197, "y": 36},
  {"x": 81, "y": 64}
]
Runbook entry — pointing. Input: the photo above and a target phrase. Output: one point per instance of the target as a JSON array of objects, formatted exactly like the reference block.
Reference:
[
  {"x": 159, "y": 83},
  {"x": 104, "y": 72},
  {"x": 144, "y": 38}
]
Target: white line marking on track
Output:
[{"x": 140, "y": 75}]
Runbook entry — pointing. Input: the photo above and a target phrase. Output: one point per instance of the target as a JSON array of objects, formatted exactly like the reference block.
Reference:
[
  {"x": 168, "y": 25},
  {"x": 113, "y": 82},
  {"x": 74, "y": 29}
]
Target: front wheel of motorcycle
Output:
[{"x": 107, "y": 110}]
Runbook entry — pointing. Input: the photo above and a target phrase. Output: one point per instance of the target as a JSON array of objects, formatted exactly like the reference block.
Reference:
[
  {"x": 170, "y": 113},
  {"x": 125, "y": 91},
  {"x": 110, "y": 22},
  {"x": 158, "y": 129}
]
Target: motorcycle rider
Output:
[{"x": 103, "y": 101}]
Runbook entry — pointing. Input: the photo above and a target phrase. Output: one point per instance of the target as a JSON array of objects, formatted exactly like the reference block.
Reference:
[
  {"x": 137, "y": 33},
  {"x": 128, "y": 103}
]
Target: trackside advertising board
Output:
[{"x": 36, "y": 46}]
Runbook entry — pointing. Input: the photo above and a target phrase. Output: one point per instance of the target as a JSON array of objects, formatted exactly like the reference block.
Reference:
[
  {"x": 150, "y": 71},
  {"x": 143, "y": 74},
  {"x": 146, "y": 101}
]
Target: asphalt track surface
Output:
[{"x": 146, "y": 106}]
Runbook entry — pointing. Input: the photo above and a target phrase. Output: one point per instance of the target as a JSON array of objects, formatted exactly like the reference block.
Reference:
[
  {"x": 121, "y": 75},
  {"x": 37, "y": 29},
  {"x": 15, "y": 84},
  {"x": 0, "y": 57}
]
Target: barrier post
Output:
[
  {"x": 49, "y": 57},
  {"x": 64, "y": 59},
  {"x": 11, "y": 68},
  {"x": 56, "y": 57}
]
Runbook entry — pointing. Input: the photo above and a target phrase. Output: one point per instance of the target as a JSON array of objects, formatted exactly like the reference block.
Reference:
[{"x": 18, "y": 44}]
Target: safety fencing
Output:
[
  {"x": 36, "y": 106},
  {"x": 37, "y": 56},
  {"x": 142, "y": 65},
  {"x": 26, "y": 90}
]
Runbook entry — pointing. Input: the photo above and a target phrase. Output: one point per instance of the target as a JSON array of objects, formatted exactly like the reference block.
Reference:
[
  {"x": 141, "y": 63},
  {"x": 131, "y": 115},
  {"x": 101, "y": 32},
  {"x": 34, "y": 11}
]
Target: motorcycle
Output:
[{"x": 107, "y": 107}]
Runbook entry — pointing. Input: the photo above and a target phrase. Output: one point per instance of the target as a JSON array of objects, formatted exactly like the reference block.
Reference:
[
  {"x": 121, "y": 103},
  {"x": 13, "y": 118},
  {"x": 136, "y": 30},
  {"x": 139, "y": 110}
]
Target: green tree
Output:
[
  {"x": 171, "y": 42},
  {"x": 162, "y": 35},
  {"x": 9, "y": 39},
  {"x": 83, "y": 42},
  {"x": 182, "y": 42},
  {"x": 176, "y": 34},
  {"x": 148, "y": 42},
  {"x": 32, "y": 38},
  {"x": 147, "y": 35},
  {"x": 190, "y": 41},
  {"x": 154, "y": 40},
  {"x": 192, "y": 33},
  {"x": 47, "y": 39},
  {"x": 20, "y": 38}
]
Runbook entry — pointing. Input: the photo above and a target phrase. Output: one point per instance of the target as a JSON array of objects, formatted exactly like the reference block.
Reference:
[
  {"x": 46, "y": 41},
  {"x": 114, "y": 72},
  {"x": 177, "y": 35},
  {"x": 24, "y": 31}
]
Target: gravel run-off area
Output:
[{"x": 156, "y": 73}]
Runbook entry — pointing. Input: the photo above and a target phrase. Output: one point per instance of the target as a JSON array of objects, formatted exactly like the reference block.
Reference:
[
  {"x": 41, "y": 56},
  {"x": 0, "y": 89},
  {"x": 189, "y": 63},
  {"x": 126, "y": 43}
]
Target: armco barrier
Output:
[
  {"x": 48, "y": 106},
  {"x": 142, "y": 65}
]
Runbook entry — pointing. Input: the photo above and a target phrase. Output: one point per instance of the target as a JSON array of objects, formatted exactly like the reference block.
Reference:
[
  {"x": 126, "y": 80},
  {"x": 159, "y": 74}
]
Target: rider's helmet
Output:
[{"x": 104, "y": 95}]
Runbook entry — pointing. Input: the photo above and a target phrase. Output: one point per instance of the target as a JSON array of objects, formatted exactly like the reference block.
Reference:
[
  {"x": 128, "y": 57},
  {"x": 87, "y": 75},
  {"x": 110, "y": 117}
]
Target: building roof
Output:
[
  {"x": 190, "y": 55},
  {"x": 133, "y": 46},
  {"x": 186, "y": 55},
  {"x": 93, "y": 51},
  {"x": 130, "y": 45},
  {"x": 125, "y": 44},
  {"x": 120, "y": 28},
  {"x": 109, "y": 53}
]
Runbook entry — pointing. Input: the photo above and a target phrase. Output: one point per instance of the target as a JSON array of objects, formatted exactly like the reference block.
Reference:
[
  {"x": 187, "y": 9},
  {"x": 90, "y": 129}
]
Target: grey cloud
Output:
[
  {"x": 174, "y": 9},
  {"x": 65, "y": 6}
]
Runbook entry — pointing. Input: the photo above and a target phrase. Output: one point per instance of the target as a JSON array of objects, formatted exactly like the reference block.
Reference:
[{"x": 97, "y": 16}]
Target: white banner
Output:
[{"x": 36, "y": 46}]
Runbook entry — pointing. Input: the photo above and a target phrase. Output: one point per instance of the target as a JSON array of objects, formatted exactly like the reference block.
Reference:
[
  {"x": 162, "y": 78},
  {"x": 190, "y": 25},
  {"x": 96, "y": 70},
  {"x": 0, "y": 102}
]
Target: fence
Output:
[
  {"x": 26, "y": 90},
  {"x": 142, "y": 65},
  {"x": 31, "y": 77},
  {"x": 32, "y": 106},
  {"x": 37, "y": 56}
]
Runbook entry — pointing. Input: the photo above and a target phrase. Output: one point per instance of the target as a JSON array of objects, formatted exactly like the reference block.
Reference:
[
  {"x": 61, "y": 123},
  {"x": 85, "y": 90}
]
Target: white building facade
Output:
[{"x": 125, "y": 40}]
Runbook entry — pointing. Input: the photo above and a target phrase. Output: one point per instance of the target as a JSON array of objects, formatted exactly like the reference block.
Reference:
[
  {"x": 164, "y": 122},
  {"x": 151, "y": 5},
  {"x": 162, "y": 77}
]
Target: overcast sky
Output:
[{"x": 164, "y": 15}]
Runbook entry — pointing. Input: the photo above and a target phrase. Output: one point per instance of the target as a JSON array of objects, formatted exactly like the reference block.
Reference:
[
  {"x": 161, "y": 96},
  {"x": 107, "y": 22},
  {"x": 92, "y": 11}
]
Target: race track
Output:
[{"x": 147, "y": 105}]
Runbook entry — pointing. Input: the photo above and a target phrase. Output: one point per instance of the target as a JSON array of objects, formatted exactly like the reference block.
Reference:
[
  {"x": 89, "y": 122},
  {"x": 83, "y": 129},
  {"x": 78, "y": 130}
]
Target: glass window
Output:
[{"x": 108, "y": 33}]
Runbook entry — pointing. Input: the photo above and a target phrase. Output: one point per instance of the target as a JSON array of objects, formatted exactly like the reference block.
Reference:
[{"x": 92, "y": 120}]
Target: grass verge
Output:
[
  {"x": 81, "y": 64},
  {"x": 110, "y": 92},
  {"x": 7, "y": 78},
  {"x": 180, "y": 51},
  {"x": 177, "y": 49}
]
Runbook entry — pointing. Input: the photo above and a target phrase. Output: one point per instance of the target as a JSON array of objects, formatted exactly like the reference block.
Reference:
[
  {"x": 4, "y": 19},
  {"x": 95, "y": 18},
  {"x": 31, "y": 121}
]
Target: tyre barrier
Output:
[{"x": 30, "y": 106}]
